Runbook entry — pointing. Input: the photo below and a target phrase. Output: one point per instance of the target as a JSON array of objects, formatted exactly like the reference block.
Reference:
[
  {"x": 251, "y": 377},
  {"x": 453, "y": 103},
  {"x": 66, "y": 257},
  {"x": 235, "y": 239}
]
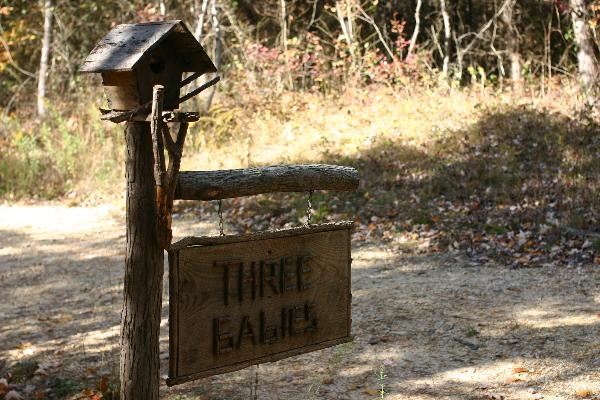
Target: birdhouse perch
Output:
[{"x": 133, "y": 58}]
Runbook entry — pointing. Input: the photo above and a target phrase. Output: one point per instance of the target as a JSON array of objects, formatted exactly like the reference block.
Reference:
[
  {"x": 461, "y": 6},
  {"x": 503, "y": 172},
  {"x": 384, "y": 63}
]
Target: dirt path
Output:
[{"x": 427, "y": 327}]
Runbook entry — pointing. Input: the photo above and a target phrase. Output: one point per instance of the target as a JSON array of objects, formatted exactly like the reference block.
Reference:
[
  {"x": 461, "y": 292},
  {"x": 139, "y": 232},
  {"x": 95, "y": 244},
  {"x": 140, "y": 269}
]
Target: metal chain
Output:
[
  {"x": 221, "y": 233},
  {"x": 309, "y": 209},
  {"x": 255, "y": 397}
]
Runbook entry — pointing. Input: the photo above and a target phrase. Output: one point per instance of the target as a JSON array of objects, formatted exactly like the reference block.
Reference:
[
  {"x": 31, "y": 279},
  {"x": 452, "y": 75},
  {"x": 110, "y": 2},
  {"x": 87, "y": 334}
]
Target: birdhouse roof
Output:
[{"x": 125, "y": 45}]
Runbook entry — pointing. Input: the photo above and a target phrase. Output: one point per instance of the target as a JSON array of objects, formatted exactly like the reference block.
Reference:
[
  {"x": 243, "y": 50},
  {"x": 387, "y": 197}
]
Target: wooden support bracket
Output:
[
  {"x": 168, "y": 116},
  {"x": 165, "y": 179},
  {"x": 199, "y": 90},
  {"x": 215, "y": 185},
  {"x": 163, "y": 215}
]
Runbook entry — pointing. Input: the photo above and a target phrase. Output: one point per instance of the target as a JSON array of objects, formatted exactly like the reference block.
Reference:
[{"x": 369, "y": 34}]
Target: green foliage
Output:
[
  {"x": 51, "y": 157},
  {"x": 316, "y": 56},
  {"x": 60, "y": 388},
  {"x": 381, "y": 378},
  {"x": 24, "y": 370},
  {"x": 471, "y": 332}
]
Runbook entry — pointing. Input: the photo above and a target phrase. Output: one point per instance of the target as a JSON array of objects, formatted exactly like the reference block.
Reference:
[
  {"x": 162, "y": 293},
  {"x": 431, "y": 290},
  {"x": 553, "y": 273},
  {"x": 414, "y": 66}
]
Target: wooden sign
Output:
[{"x": 236, "y": 301}]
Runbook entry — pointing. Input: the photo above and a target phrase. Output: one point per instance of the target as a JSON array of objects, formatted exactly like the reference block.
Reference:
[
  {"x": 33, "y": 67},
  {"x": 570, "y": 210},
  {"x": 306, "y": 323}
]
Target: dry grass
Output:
[
  {"x": 441, "y": 170},
  {"x": 295, "y": 126},
  {"x": 459, "y": 167},
  {"x": 455, "y": 169}
]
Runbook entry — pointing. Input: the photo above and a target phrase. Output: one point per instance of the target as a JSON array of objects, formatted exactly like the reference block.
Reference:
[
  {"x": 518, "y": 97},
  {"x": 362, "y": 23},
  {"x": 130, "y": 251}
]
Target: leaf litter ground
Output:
[
  {"x": 476, "y": 257},
  {"x": 428, "y": 325}
]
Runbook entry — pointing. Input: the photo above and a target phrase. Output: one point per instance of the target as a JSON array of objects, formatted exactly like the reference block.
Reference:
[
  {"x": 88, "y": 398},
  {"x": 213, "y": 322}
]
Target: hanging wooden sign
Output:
[{"x": 236, "y": 301}]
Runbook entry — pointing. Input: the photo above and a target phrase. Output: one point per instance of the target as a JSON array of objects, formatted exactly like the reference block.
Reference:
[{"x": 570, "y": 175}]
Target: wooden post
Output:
[
  {"x": 215, "y": 185},
  {"x": 140, "y": 319}
]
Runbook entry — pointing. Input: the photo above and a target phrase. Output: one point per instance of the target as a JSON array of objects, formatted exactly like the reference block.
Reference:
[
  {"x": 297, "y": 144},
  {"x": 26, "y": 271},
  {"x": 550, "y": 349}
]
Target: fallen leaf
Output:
[
  {"x": 371, "y": 392},
  {"x": 103, "y": 384},
  {"x": 519, "y": 370},
  {"x": 13, "y": 395},
  {"x": 61, "y": 318},
  {"x": 88, "y": 394},
  {"x": 24, "y": 345},
  {"x": 39, "y": 395},
  {"x": 513, "y": 380},
  {"x": 583, "y": 393},
  {"x": 327, "y": 381},
  {"x": 3, "y": 386}
]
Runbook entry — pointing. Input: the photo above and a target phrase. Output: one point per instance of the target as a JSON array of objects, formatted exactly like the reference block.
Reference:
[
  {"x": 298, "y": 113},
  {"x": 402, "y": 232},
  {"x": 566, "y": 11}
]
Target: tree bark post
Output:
[
  {"x": 43, "y": 72},
  {"x": 142, "y": 299},
  {"x": 512, "y": 43},
  {"x": 200, "y": 25},
  {"x": 415, "y": 35},
  {"x": 217, "y": 59},
  {"x": 447, "y": 37},
  {"x": 586, "y": 58}
]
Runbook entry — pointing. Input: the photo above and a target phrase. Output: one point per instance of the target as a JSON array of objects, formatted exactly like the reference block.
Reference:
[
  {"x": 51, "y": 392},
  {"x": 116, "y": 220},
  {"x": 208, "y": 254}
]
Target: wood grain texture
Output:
[
  {"x": 279, "y": 294},
  {"x": 126, "y": 44},
  {"x": 121, "y": 90},
  {"x": 157, "y": 136},
  {"x": 142, "y": 295},
  {"x": 144, "y": 115},
  {"x": 173, "y": 311},
  {"x": 271, "y": 234},
  {"x": 214, "y": 185},
  {"x": 198, "y": 90},
  {"x": 190, "y": 79},
  {"x": 159, "y": 66},
  {"x": 271, "y": 358}
]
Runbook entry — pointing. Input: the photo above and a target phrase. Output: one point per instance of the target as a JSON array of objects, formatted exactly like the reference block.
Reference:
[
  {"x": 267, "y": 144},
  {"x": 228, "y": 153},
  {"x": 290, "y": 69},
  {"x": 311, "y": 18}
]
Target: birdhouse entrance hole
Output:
[
  {"x": 157, "y": 65},
  {"x": 133, "y": 58}
]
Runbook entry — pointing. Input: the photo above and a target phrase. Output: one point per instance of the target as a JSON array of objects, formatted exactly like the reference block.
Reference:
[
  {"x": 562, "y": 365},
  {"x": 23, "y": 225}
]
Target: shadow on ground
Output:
[{"x": 428, "y": 326}]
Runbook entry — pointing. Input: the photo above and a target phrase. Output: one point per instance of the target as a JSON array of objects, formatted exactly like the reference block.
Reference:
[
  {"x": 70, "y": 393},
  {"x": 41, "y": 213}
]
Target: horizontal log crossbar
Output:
[
  {"x": 215, "y": 185},
  {"x": 145, "y": 115}
]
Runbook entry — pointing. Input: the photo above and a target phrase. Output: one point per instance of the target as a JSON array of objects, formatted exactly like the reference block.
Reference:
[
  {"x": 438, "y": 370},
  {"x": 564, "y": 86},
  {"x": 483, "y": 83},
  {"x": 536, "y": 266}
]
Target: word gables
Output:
[
  {"x": 236, "y": 301},
  {"x": 295, "y": 320}
]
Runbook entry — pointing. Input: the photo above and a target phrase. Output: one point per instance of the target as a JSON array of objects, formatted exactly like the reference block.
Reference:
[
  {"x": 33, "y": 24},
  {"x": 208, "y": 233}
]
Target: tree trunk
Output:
[
  {"x": 200, "y": 26},
  {"x": 587, "y": 62},
  {"x": 142, "y": 300},
  {"x": 41, "y": 90},
  {"x": 447, "y": 37},
  {"x": 346, "y": 30},
  {"x": 215, "y": 185},
  {"x": 512, "y": 43},
  {"x": 415, "y": 35},
  {"x": 217, "y": 60},
  {"x": 350, "y": 14},
  {"x": 283, "y": 26}
]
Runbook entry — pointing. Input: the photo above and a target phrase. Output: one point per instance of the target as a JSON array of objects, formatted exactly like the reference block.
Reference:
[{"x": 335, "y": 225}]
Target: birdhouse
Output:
[{"x": 132, "y": 58}]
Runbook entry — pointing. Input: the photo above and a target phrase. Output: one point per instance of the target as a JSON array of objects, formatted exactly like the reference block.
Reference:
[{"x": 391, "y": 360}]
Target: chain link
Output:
[
  {"x": 309, "y": 209},
  {"x": 221, "y": 233},
  {"x": 255, "y": 383}
]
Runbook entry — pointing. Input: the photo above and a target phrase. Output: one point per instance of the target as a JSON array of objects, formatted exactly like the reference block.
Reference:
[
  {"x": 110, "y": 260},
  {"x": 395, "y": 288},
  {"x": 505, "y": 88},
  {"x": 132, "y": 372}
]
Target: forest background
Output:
[
  {"x": 474, "y": 126},
  {"x": 473, "y": 123}
]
